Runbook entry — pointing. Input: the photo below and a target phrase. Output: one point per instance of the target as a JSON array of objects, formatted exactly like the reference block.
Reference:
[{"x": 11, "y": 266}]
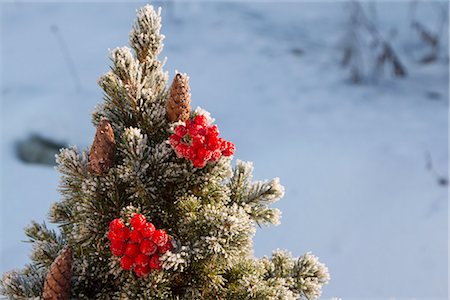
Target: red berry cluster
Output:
[
  {"x": 140, "y": 247},
  {"x": 200, "y": 142}
]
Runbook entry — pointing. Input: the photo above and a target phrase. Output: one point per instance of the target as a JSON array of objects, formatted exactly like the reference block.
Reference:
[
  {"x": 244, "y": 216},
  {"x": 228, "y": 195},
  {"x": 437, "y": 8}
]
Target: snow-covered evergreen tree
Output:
[{"x": 155, "y": 209}]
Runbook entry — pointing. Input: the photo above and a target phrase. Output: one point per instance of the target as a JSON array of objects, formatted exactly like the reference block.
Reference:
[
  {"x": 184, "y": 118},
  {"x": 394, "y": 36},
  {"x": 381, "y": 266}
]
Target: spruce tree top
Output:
[{"x": 155, "y": 210}]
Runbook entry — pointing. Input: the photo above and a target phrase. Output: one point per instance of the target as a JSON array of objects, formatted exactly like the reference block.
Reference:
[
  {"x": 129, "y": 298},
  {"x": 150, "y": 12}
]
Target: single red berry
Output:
[
  {"x": 213, "y": 143},
  {"x": 201, "y": 120},
  {"x": 213, "y": 131},
  {"x": 148, "y": 247},
  {"x": 187, "y": 151},
  {"x": 208, "y": 155},
  {"x": 141, "y": 271},
  {"x": 199, "y": 163},
  {"x": 191, "y": 154},
  {"x": 196, "y": 130},
  {"x": 201, "y": 153},
  {"x": 122, "y": 234},
  {"x": 148, "y": 230},
  {"x": 166, "y": 247},
  {"x": 202, "y": 132},
  {"x": 198, "y": 142},
  {"x": 112, "y": 235},
  {"x": 126, "y": 263},
  {"x": 174, "y": 140},
  {"x": 136, "y": 236},
  {"x": 160, "y": 237},
  {"x": 216, "y": 155},
  {"x": 222, "y": 143},
  {"x": 138, "y": 221},
  {"x": 141, "y": 260},
  {"x": 180, "y": 131},
  {"x": 116, "y": 225},
  {"x": 132, "y": 250},
  {"x": 118, "y": 247},
  {"x": 229, "y": 150},
  {"x": 181, "y": 150},
  {"x": 154, "y": 262}
]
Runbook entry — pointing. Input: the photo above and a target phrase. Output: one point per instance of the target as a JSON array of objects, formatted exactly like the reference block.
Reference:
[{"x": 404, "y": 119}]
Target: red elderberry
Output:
[
  {"x": 195, "y": 130},
  {"x": 119, "y": 234},
  {"x": 213, "y": 131},
  {"x": 213, "y": 143},
  {"x": 118, "y": 247},
  {"x": 148, "y": 230},
  {"x": 190, "y": 153},
  {"x": 132, "y": 250},
  {"x": 180, "y": 131},
  {"x": 201, "y": 154},
  {"x": 139, "y": 248},
  {"x": 216, "y": 155},
  {"x": 148, "y": 247},
  {"x": 136, "y": 236},
  {"x": 123, "y": 233},
  {"x": 141, "y": 271},
  {"x": 112, "y": 236},
  {"x": 199, "y": 142},
  {"x": 138, "y": 221},
  {"x": 116, "y": 225},
  {"x": 126, "y": 263},
  {"x": 166, "y": 247},
  {"x": 229, "y": 149},
  {"x": 160, "y": 237},
  {"x": 222, "y": 143},
  {"x": 141, "y": 260},
  {"x": 199, "y": 163},
  {"x": 155, "y": 263},
  {"x": 174, "y": 140},
  {"x": 201, "y": 120},
  {"x": 182, "y": 150}
]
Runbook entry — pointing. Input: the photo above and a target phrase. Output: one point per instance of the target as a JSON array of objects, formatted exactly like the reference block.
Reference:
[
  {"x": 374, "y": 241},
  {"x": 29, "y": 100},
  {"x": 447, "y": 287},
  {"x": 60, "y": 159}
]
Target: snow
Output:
[{"x": 352, "y": 158}]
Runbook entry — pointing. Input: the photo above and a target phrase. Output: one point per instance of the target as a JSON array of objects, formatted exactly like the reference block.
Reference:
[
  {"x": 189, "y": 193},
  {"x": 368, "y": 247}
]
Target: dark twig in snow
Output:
[
  {"x": 441, "y": 180},
  {"x": 68, "y": 58}
]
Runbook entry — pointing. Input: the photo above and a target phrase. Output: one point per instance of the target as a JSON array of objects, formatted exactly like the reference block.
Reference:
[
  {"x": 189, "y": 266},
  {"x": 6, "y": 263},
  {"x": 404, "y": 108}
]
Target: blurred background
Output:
[{"x": 346, "y": 102}]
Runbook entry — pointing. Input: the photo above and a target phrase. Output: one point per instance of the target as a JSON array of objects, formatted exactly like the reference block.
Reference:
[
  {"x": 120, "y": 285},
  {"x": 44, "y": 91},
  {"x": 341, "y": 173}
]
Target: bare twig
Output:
[
  {"x": 432, "y": 38},
  {"x": 356, "y": 45},
  {"x": 441, "y": 180},
  {"x": 68, "y": 58}
]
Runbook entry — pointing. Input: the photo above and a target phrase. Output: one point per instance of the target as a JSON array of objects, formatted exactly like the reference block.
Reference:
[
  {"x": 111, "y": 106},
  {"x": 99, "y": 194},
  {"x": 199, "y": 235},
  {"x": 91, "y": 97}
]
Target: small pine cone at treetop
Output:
[
  {"x": 57, "y": 283},
  {"x": 178, "y": 105},
  {"x": 103, "y": 150}
]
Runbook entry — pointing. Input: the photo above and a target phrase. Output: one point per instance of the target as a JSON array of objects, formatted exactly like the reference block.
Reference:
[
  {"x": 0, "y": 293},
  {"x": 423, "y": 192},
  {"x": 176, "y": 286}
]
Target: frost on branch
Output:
[
  {"x": 310, "y": 275},
  {"x": 255, "y": 196},
  {"x": 46, "y": 243},
  {"x": 145, "y": 37},
  {"x": 278, "y": 277},
  {"x": 24, "y": 284},
  {"x": 135, "y": 88}
]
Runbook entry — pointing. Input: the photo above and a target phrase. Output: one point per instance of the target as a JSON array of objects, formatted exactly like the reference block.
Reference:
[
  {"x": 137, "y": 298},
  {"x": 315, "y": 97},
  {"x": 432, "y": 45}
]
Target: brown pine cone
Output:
[
  {"x": 57, "y": 283},
  {"x": 103, "y": 149},
  {"x": 179, "y": 100}
]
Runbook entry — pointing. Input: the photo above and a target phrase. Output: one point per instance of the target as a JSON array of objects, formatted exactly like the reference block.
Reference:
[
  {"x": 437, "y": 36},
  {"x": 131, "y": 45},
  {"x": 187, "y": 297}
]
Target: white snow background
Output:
[{"x": 352, "y": 158}]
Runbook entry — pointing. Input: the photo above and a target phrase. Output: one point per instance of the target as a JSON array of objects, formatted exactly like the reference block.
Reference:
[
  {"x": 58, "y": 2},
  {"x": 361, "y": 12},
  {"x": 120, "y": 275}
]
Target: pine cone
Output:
[
  {"x": 103, "y": 150},
  {"x": 57, "y": 283},
  {"x": 178, "y": 103}
]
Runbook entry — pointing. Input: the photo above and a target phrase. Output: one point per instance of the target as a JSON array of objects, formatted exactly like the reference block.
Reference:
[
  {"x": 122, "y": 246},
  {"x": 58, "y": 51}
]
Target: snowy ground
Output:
[{"x": 352, "y": 158}]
